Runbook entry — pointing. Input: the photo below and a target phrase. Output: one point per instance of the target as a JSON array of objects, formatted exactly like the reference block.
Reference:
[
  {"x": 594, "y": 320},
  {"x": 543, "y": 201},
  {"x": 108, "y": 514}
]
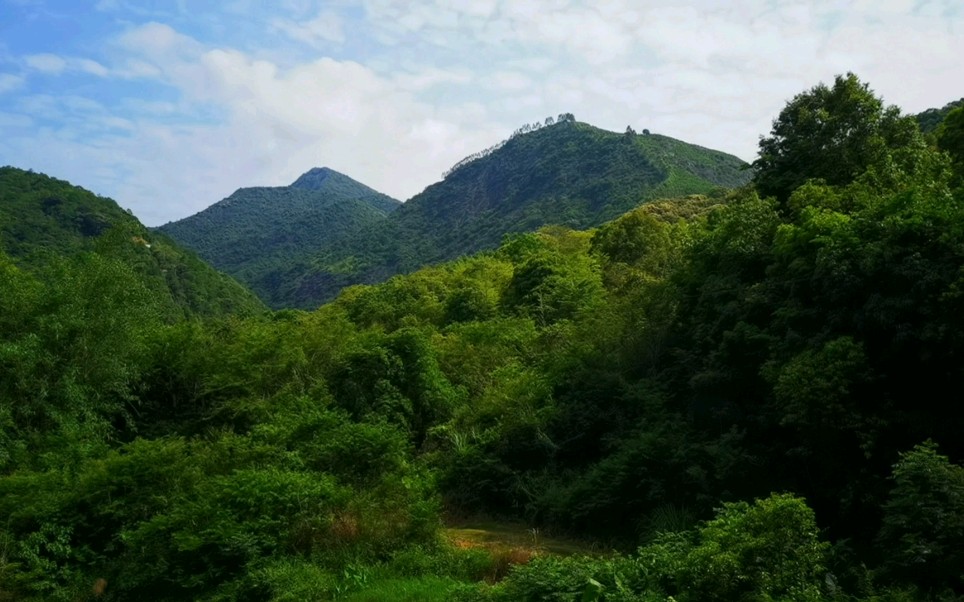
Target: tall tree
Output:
[{"x": 835, "y": 134}]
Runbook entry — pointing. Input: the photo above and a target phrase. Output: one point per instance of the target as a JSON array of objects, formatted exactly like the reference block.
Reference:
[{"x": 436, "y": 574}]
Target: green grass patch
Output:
[
  {"x": 411, "y": 589},
  {"x": 495, "y": 536}
]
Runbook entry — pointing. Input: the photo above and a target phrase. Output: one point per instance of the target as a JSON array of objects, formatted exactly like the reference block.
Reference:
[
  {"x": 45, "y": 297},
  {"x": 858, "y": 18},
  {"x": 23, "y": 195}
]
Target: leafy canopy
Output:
[{"x": 835, "y": 134}]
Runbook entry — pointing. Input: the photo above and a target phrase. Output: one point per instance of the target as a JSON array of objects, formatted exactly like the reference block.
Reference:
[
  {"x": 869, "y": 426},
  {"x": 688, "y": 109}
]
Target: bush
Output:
[{"x": 923, "y": 526}]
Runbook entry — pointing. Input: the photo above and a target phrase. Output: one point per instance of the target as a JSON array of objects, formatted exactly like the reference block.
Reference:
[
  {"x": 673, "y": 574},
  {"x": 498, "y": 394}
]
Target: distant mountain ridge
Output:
[
  {"x": 298, "y": 250},
  {"x": 44, "y": 220},
  {"x": 567, "y": 173},
  {"x": 931, "y": 119},
  {"x": 257, "y": 231}
]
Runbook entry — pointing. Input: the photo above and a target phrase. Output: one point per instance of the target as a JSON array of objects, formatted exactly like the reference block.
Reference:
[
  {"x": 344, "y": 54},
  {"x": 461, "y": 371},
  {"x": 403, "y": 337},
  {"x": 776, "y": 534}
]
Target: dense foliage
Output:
[
  {"x": 263, "y": 235},
  {"x": 931, "y": 119},
  {"x": 746, "y": 397},
  {"x": 565, "y": 173},
  {"x": 836, "y": 134},
  {"x": 45, "y": 222}
]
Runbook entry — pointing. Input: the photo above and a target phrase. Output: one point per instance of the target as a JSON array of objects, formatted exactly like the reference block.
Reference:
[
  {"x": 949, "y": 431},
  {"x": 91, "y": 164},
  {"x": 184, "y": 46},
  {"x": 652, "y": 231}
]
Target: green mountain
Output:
[
  {"x": 257, "y": 232},
  {"x": 931, "y": 119},
  {"x": 44, "y": 221},
  {"x": 567, "y": 173}
]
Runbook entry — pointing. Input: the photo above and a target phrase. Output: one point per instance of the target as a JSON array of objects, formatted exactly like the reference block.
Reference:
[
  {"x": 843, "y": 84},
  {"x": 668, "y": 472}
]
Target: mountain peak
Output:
[{"x": 314, "y": 178}]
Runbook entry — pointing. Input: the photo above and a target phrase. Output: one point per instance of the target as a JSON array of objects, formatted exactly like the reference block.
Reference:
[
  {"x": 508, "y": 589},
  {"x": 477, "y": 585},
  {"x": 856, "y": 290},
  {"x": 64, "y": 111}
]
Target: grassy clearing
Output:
[{"x": 499, "y": 537}]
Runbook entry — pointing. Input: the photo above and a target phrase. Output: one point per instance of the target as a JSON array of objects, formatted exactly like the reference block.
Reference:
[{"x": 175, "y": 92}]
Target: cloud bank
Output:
[{"x": 168, "y": 112}]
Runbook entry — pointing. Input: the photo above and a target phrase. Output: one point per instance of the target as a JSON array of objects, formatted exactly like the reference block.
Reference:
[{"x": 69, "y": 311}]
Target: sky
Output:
[{"x": 168, "y": 106}]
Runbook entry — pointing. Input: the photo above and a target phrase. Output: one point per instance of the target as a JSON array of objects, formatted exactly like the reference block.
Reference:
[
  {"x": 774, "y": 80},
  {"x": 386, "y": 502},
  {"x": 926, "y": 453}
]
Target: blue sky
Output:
[{"x": 168, "y": 106}]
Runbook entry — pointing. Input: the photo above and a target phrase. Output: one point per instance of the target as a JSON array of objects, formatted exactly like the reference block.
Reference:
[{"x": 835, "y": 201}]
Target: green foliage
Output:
[
  {"x": 398, "y": 381},
  {"x": 768, "y": 550},
  {"x": 616, "y": 384},
  {"x": 641, "y": 474},
  {"x": 71, "y": 358},
  {"x": 233, "y": 520},
  {"x": 249, "y": 235},
  {"x": 814, "y": 389},
  {"x": 419, "y": 589},
  {"x": 931, "y": 119},
  {"x": 634, "y": 237},
  {"x": 835, "y": 134},
  {"x": 568, "y": 174},
  {"x": 43, "y": 219},
  {"x": 571, "y": 579},
  {"x": 172, "y": 518},
  {"x": 67, "y": 525},
  {"x": 550, "y": 285},
  {"x": 286, "y": 580},
  {"x": 923, "y": 527},
  {"x": 950, "y": 138}
]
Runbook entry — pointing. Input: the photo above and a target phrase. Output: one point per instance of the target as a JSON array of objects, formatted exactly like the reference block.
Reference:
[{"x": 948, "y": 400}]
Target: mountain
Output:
[
  {"x": 931, "y": 119},
  {"x": 257, "y": 232},
  {"x": 567, "y": 173},
  {"x": 44, "y": 220}
]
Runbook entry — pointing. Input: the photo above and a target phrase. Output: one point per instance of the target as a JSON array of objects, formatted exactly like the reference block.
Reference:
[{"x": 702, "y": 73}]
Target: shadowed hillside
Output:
[
  {"x": 44, "y": 220},
  {"x": 257, "y": 232}
]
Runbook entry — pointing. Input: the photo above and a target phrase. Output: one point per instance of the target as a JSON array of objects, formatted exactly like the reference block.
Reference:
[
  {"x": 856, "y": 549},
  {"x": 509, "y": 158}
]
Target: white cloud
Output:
[
  {"x": 53, "y": 64},
  {"x": 135, "y": 69},
  {"x": 9, "y": 82},
  {"x": 435, "y": 80},
  {"x": 510, "y": 81},
  {"x": 324, "y": 28},
  {"x": 46, "y": 63},
  {"x": 91, "y": 67},
  {"x": 416, "y": 78},
  {"x": 157, "y": 39},
  {"x": 278, "y": 122}
]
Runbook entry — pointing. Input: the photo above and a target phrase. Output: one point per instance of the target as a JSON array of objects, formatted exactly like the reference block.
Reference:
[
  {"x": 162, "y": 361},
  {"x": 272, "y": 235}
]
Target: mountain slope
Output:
[
  {"x": 568, "y": 173},
  {"x": 259, "y": 231},
  {"x": 43, "y": 219},
  {"x": 931, "y": 119}
]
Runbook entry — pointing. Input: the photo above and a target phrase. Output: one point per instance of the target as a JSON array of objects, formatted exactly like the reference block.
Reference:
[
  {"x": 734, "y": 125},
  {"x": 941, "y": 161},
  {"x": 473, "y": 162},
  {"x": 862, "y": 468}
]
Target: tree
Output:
[
  {"x": 950, "y": 138},
  {"x": 923, "y": 527},
  {"x": 769, "y": 550},
  {"x": 835, "y": 134}
]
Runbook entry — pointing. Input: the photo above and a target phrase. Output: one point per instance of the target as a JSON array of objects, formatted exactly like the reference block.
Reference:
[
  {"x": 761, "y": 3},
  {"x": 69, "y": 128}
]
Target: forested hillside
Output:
[
  {"x": 48, "y": 226},
  {"x": 563, "y": 173},
  {"x": 931, "y": 119},
  {"x": 256, "y": 234},
  {"x": 735, "y": 397},
  {"x": 552, "y": 173}
]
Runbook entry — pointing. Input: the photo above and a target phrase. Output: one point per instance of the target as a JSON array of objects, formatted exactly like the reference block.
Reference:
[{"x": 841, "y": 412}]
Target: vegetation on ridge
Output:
[
  {"x": 258, "y": 233},
  {"x": 565, "y": 173},
  {"x": 46, "y": 224}
]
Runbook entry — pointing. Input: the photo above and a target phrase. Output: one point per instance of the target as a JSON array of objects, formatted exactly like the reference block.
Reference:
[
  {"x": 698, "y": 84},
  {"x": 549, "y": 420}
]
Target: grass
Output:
[
  {"x": 473, "y": 553},
  {"x": 498, "y": 536},
  {"x": 412, "y": 589}
]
